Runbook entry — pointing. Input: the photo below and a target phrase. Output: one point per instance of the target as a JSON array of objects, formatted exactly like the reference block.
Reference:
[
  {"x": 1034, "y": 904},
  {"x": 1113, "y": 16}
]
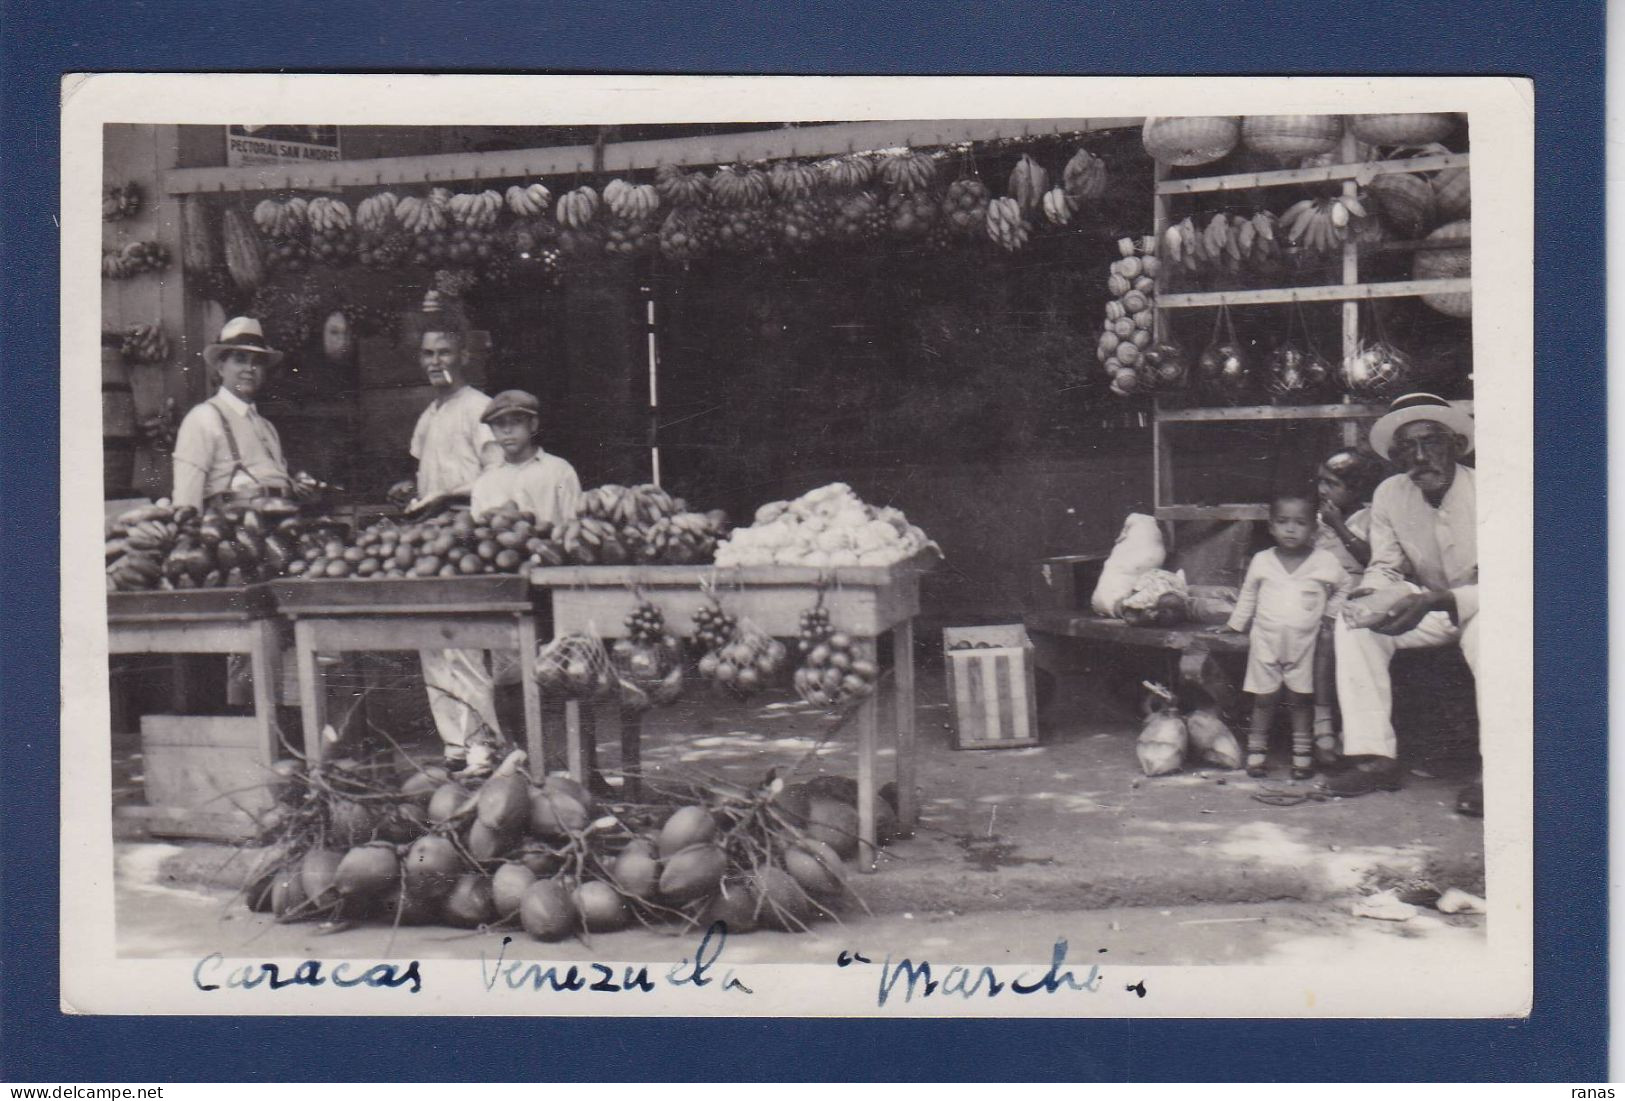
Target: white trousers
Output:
[
  {"x": 459, "y": 695},
  {"x": 1364, "y": 688}
]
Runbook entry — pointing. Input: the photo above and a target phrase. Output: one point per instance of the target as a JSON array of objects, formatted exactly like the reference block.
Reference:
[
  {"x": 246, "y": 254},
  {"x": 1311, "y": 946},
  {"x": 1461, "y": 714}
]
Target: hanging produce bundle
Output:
[
  {"x": 134, "y": 258},
  {"x": 286, "y": 230},
  {"x": 965, "y": 207},
  {"x": 1320, "y": 227},
  {"x": 648, "y": 662},
  {"x": 1378, "y": 368},
  {"x": 1134, "y": 362},
  {"x": 713, "y": 627},
  {"x": 1225, "y": 367},
  {"x": 576, "y": 667},
  {"x": 748, "y": 662},
  {"x": 331, "y": 224},
  {"x": 1084, "y": 177},
  {"x": 1007, "y": 224},
  {"x": 121, "y": 201},
  {"x": 1295, "y": 370},
  {"x": 826, "y": 527},
  {"x": 859, "y": 217},
  {"x": 145, "y": 344},
  {"x": 244, "y": 261},
  {"x": 833, "y": 672}
]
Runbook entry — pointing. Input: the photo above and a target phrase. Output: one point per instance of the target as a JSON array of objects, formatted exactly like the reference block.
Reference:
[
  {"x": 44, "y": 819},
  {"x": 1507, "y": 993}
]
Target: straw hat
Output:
[
  {"x": 241, "y": 334},
  {"x": 1419, "y": 407}
]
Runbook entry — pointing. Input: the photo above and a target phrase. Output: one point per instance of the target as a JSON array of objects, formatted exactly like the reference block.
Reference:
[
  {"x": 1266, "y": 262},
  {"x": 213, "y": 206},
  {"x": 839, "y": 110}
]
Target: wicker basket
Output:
[
  {"x": 1412, "y": 129},
  {"x": 1447, "y": 264},
  {"x": 1190, "y": 139},
  {"x": 1405, "y": 201},
  {"x": 1289, "y": 136},
  {"x": 1453, "y": 193}
]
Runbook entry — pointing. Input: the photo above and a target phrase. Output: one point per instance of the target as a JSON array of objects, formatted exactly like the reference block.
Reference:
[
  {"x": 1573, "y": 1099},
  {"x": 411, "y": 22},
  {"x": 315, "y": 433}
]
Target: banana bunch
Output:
[
  {"x": 420, "y": 216},
  {"x": 848, "y": 173},
  {"x": 576, "y": 209},
  {"x": 330, "y": 216},
  {"x": 1058, "y": 206},
  {"x": 137, "y": 542},
  {"x": 376, "y": 213},
  {"x": 634, "y": 202},
  {"x": 737, "y": 186},
  {"x": 1028, "y": 182},
  {"x": 529, "y": 201},
  {"x": 1321, "y": 226},
  {"x": 1231, "y": 241},
  {"x": 589, "y": 541},
  {"x": 908, "y": 170},
  {"x": 133, "y": 259},
  {"x": 121, "y": 201},
  {"x": 680, "y": 187},
  {"x": 1084, "y": 176},
  {"x": 965, "y": 206},
  {"x": 686, "y": 539},
  {"x": 145, "y": 344},
  {"x": 1005, "y": 223},
  {"x": 279, "y": 219},
  {"x": 621, "y": 505},
  {"x": 789, "y": 180},
  {"x": 475, "y": 210}
]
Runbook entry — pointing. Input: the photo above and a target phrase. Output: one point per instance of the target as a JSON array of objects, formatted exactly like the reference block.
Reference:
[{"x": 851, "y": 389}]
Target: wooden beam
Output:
[
  {"x": 1345, "y": 411},
  {"x": 821, "y": 140},
  {"x": 1287, "y": 177},
  {"x": 1213, "y": 512},
  {"x": 1408, "y": 288}
]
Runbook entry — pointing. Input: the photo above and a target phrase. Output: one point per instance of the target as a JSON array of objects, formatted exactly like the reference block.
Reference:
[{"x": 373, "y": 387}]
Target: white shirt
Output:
[
  {"x": 203, "y": 466},
  {"x": 451, "y": 445},
  {"x": 544, "y": 484},
  {"x": 1435, "y": 547}
]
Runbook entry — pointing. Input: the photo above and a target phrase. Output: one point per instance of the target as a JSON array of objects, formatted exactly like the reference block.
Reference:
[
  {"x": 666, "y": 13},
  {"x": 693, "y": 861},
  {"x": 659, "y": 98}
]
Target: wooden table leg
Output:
[
  {"x": 264, "y": 659},
  {"x": 312, "y": 689},
  {"x": 572, "y": 737},
  {"x": 531, "y": 692},
  {"x": 903, "y": 663},
  {"x": 632, "y": 754},
  {"x": 868, "y": 726}
]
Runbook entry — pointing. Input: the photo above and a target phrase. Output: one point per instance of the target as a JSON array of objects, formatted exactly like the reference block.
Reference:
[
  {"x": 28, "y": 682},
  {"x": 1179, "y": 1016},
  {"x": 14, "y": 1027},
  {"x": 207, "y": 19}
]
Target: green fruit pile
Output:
[
  {"x": 451, "y": 544},
  {"x": 160, "y": 547}
]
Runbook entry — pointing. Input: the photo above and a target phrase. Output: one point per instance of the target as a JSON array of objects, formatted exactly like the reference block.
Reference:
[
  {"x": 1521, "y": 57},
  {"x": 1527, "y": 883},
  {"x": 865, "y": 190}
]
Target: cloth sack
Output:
[
  {"x": 1138, "y": 549},
  {"x": 1158, "y": 599},
  {"x": 1211, "y": 604}
]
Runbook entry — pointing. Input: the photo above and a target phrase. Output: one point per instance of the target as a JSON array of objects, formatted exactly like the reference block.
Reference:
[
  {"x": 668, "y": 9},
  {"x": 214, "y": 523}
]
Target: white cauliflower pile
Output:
[{"x": 826, "y": 527}]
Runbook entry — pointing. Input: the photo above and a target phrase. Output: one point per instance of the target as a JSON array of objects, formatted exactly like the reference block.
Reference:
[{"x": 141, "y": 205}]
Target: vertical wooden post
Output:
[
  {"x": 312, "y": 689},
  {"x": 1159, "y": 224},
  {"x": 1351, "y": 277},
  {"x": 531, "y": 694},
  {"x": 903, "y": 665},
  {"x": 868, "y": 731},
  {"x": 264, "y": 658},
  {"x": 572, "y": 736}
]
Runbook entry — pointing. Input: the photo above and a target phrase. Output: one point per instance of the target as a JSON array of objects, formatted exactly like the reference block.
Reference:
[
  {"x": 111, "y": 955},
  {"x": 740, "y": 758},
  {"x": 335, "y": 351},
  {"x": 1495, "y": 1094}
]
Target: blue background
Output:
[{"x": 1560, "y": 45}]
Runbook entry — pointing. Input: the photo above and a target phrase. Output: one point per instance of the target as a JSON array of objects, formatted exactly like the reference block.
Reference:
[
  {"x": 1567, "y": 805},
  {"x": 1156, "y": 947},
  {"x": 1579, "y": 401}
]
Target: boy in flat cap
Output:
[{"x": 528, "y": 477}]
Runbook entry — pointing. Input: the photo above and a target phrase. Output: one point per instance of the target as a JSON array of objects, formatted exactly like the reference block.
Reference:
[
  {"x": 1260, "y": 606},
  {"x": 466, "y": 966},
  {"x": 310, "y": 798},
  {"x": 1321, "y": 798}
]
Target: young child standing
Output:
[
  {"x": 1290, "y": 590},
  {"x": 1344, "y": 485}
]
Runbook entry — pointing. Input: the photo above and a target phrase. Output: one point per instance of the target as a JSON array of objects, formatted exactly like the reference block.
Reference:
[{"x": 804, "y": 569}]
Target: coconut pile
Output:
[{"x": 355, "y": 842}]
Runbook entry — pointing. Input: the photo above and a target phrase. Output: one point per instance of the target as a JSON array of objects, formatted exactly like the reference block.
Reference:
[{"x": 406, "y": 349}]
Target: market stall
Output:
[{"x": 741, "y": 314}]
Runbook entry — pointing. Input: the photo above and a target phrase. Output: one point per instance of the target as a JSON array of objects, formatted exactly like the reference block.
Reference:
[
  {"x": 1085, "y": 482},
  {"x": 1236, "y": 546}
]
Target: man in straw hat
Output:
[
  {"x": 224, "y": 447},
  {"x": 1421, "y": 587}
]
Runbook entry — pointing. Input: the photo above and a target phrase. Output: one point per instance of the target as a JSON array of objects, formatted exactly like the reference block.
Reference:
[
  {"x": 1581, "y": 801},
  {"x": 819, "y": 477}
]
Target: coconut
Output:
[
  {"x": 485, "y": 843},
  {"x": 288, "y": 897},
  {"x": 317, "y": 875},
  {"x": 735, "y": 906},
  {"x": 405, "y": 823},
  {"x": 784, "y": 904},
  {"x": 368, "y": 873},
  {"x": 542, "y": 862},
  {"x": 835, "y": 824},
  {"x": 692, "y": 873},
  {"x": 794, "y": 802},
  {"x": 817, "y": 868},
  {"x": 601, "y": 907},
  {"x": 258, "y": 892},
  {"x": 687, "y": 827},
  {"x": 555, "y": 814},
  {"x": 448, "y": 797},
  {"x": 568, "y": 786},
  {"x": 636, "y": 871},
  {"x": 432, "y": 867},
  {"x": 352, "y": 822},
  {"x": 508, "y": 887},
  {"x": 546, "y": 911},
  {"x": 844, "y": 789},
  {"x": 469, "y": 903},
  {"x": 504, "y": 803},
  {"x": 421, "y": 786}
]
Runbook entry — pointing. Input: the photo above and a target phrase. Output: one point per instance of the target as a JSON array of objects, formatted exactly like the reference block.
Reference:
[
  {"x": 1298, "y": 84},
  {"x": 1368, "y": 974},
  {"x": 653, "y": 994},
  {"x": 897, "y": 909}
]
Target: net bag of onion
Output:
[
  {"x": 748, "y": 662},
  {"x": 575, "y": 667},
  {"x": 648, "y": 662}
]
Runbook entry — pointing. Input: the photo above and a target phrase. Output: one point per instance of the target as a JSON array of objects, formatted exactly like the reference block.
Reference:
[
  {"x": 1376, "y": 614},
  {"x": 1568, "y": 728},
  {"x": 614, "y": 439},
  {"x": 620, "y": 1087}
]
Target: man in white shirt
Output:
[
  {"x": 224, "y": 446},
  {"x": 452, "y": 446},
  {"x": 1424, "y": 538}
]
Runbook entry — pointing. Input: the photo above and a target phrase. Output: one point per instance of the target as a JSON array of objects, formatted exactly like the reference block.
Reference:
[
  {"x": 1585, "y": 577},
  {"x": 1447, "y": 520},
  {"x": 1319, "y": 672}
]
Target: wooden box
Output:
[
  {"x": 991, "y": 686},
  {"x": 205, "y": 776}
]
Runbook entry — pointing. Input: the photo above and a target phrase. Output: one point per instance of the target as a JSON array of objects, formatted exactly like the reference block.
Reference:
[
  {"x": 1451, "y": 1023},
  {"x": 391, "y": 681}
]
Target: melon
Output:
[
  {"x": 469, "y": 904},
  {"x": 546, "y": 911},
  {"x": 687, "y": 827},
  {"x": 635, "y": 871},
  {"x": 601, "y": 907},
  {"x": 504, "y": 803},
  {"x": 508, "y": 887},
  {"x": 692, "y": 873},
  {"x": 317, "y": 874},
  {"x": 431, "y": 868}
]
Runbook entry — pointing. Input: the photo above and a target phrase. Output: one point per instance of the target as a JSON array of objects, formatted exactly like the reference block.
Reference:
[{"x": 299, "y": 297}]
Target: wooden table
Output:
[
  {"x": 866, "y": 602},
  {"x": 207, "y": 621},
  {"x": 334, "y": 615}
]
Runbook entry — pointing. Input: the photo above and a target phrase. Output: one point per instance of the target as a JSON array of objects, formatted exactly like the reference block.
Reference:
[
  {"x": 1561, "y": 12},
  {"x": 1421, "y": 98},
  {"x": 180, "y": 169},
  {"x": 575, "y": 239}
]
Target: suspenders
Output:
[{"x": 237, "y": 465}]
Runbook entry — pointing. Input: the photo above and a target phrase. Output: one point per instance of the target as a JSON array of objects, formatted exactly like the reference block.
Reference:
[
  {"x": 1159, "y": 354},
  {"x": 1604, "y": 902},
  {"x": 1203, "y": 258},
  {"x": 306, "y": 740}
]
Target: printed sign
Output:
[{"x": 249, "y": 145}]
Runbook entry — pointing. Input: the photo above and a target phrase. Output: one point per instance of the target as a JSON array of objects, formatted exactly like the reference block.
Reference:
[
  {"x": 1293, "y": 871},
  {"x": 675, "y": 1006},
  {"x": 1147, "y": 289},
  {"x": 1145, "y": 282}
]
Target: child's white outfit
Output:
[{"x": 1284, "y": 609}]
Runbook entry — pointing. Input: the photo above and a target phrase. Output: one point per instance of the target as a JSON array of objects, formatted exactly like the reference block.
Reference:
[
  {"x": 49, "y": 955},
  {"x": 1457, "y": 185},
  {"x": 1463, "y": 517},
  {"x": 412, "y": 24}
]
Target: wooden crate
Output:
[
  {"x": 991, "y": 686},
  {"x": 205, "y": 775}
]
